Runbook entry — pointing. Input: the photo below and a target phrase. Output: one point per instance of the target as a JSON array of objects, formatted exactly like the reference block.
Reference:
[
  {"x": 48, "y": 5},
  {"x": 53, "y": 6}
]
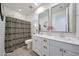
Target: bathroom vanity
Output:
[{"x": 45, "y": 45}]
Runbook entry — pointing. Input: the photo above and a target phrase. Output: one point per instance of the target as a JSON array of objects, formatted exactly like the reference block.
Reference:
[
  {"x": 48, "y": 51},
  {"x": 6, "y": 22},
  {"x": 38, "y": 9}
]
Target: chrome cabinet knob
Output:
[
  {"x": 61, "y": 49},
  {"x": 45, "y": 47},
  {"x": 44, "y": 55},
  {"x": 45, "y": 40},
  {"x": 64, "y": 51}
]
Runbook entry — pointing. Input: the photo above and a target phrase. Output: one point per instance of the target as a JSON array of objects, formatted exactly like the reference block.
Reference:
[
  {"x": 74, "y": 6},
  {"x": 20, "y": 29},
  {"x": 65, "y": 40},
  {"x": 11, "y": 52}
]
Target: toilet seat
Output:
[{"x": 28, "y": 41}]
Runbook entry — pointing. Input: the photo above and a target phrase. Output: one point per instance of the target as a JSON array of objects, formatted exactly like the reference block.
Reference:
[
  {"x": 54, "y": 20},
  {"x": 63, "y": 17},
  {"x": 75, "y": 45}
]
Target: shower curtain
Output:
[{"x": 16, "y": 32}]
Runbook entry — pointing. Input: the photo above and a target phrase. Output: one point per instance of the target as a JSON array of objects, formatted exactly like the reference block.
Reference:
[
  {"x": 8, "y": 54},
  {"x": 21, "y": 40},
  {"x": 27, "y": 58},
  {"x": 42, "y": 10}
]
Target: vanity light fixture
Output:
[
  {"x": 35, "y": 25},
  {"x": 20, "y": 10},
  {"x": 39, "y": 10},
  {"x": 36, "y": 4}
]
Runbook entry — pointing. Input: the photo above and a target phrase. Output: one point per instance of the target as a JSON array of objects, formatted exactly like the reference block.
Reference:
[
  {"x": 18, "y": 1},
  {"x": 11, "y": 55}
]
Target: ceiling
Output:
[{"x": 26, "y": 8}]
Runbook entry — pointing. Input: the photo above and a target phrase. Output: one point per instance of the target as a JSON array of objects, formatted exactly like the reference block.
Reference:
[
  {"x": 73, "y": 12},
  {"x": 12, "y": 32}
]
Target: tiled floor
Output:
[{"x": 23, "y": 51}]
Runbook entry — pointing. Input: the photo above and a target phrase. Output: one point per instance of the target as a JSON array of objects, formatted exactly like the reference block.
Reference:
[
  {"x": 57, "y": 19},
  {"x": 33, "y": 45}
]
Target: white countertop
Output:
[{"x": 62, "y": 39}]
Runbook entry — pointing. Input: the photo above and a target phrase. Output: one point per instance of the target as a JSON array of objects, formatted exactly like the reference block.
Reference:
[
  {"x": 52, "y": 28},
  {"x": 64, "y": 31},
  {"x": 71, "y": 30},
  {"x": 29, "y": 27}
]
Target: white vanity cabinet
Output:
[
  {"x": 41, "y": 46},
  {"x": 63, "y": 49},
  {"x": 36, "y": 45},
  {"x": 44, "y": 46}
]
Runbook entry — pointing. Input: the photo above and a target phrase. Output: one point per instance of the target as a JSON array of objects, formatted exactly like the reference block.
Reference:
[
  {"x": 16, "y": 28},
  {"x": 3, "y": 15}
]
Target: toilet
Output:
[{"x": 28, "y": 43}]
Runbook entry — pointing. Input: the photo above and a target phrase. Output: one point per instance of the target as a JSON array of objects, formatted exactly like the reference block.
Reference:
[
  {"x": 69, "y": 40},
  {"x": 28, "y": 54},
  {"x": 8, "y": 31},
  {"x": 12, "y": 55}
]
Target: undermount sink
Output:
[
  {"x": 66, "y": 38},
  {"x": 61, "y": 38}
]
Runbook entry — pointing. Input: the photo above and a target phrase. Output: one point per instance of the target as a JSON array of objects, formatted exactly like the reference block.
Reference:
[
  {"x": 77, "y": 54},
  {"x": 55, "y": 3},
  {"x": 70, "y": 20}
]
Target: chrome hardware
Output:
[
  {"x": 45, "y": 47},
  {"x": 64, "y": 51},
  {"x": 44, "y": 55},
  {"x": 61, "y": 49},
  {"x": 45, "y": 40}
]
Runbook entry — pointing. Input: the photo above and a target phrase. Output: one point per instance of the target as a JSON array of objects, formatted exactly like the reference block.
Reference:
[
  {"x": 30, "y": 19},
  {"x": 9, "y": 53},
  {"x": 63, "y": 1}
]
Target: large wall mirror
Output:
[
  {"x": 63, "y": 18},
  {"x": 43, "y": 20}
]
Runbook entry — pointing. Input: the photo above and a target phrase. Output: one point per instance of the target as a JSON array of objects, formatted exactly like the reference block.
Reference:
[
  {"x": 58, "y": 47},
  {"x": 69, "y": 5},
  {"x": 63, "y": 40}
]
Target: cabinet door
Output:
[
  {"x": 34, "y": 45},
  {"x": 69, "y": 53},
  {"x": 55, "y": 51},
  {"x": 37, "y": 45}
]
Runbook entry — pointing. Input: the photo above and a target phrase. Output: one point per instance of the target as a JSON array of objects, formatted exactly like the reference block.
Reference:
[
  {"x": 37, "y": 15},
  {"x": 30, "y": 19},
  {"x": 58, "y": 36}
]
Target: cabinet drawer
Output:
[
  {"x": 45, "y": 48},
  {"x": 45, "y": 42},
  {"x": 34, "y": 37},
  {"x": 66, "y": 46}
]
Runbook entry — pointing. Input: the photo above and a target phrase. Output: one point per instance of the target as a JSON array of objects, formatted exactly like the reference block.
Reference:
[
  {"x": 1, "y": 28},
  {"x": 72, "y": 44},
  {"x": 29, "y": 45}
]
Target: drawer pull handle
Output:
[
  {"x": 45, "y": 47},
  {"x": 45, "y": 40},
  {"x": 61, "y": 49},
  {"x": 44, "y": 55},
  {"x": 64, "y": 51}
]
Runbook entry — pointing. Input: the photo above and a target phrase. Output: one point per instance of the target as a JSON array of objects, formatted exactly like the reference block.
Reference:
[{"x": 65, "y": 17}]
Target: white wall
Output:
[{"x": 2, "y": 35}]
